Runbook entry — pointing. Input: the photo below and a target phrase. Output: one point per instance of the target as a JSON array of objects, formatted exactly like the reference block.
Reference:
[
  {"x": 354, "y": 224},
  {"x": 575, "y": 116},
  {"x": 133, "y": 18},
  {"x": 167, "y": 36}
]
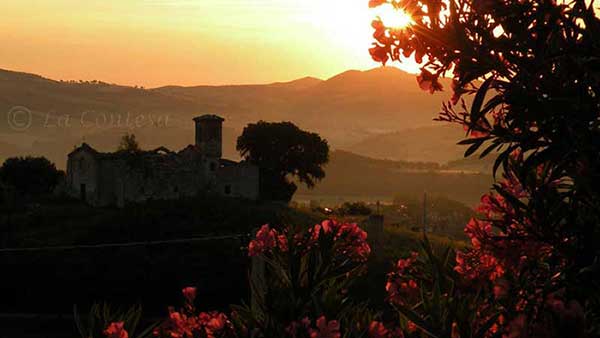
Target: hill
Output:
[
  {"x": 431, "y": 143},
  {"x": 354, "y": 177},
  {"x": 346, "y": 109}
]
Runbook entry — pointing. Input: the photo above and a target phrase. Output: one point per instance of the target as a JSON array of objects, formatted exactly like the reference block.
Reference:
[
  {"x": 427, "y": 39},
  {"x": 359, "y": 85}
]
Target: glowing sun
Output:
[
  {"x": 393, "y": 18},
  {"x": 347, "y": 23}
]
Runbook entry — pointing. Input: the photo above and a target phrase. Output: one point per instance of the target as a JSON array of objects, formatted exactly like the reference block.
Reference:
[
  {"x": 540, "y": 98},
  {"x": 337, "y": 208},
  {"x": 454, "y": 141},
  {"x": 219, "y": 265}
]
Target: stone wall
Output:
[
  {"x": 82, "y": 179},
  {"x": 239, "y": 180}
]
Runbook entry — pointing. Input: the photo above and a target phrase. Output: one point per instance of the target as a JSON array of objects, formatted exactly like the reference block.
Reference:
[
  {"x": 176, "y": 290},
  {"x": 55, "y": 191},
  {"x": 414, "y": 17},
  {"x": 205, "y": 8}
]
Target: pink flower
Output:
[
  {"x": 326, "y": 329},
  {"x": 189, "y": 293},
  {"x": 478, "y": 265},
  {"x": 349, "y": 239},
  {"x": 377, "y": 330},
  {"x": 216, "y": 323},
  {"x": 266, "y": 236},
  {"x": 180, "y": 325},
  {"x": 411, "y": 327},
  {"x": 400, "y": 285},
  {"x": 476, "y": 230},
  {"x": 266, "y": 240},
  {"x": 116, "y": 330},
  {"x": 326, "y": 227},
  {"x": 403, "y": 264},
  {"x": 354, "y": 241},
  {"x": 255, "y": 248},
  {"x": 282, "y": 243}
]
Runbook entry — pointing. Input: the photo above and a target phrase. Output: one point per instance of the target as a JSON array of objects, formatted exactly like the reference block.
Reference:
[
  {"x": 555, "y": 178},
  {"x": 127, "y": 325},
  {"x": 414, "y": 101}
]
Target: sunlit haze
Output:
[{"x": 158, "y": 42}]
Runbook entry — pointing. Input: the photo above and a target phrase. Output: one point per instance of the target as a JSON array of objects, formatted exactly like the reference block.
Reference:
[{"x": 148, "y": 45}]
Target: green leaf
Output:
[
  {"x": 473, "y": 148},
  {"x": 476, "y": 112},
  {"x": 510, "y": 198},
  {"x": 469, "y": 141},
  {"x": 148, "y": 332},
  {"x": 491, "y": 104},
  {"x": 501, "y": 159},
  {"x": 415, "y": 318},
  {"x": 488, "y": 150}
]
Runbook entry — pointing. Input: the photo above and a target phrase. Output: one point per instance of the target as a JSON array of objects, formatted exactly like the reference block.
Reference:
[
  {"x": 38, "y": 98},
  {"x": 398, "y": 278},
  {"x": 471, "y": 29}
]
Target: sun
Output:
[
  {"x": 347, "y": 25},
  {"x": 392, "y": 17}
]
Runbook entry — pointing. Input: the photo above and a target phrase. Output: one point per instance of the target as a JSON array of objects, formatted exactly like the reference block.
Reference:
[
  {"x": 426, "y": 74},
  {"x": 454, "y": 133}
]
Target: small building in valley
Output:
[{"x": 104, "y": 179}]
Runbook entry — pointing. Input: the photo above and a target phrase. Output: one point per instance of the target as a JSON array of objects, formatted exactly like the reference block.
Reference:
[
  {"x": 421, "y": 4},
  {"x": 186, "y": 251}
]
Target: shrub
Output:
[{"x": 31, "y": 176}]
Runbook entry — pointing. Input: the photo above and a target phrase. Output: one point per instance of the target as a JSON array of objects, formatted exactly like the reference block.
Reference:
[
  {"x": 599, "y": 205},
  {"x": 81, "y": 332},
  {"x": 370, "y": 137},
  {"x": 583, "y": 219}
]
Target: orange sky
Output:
[{"x": 186, "y": 42}]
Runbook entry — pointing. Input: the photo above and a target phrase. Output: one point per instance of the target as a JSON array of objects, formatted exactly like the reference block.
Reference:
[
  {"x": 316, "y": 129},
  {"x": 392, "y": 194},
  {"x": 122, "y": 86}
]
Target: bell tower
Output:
[{"x": 209, "y": 135}]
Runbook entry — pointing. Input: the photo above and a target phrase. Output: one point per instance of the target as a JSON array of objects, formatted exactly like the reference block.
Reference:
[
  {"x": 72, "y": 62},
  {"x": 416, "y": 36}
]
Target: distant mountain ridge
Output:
[
  {"x": 436, "y": 143},
  {"x": 347, "y": 109}
]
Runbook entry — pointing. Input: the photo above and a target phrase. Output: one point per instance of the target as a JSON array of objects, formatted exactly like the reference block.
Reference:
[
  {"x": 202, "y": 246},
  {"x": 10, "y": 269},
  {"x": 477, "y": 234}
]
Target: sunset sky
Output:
[{"x": 186, "y": 42}]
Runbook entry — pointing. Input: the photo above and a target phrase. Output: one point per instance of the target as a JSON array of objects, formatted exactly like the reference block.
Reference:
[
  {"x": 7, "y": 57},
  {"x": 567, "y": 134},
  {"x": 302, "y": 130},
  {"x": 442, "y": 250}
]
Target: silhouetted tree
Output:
[
  {"x": 30, "y": 176},
  {"x": 129, "y": 144},
  {"x": 280, "y": 150}
]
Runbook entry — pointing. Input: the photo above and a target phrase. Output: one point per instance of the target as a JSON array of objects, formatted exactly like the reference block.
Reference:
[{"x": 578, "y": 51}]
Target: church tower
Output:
[{"x": 209, "y": 135}]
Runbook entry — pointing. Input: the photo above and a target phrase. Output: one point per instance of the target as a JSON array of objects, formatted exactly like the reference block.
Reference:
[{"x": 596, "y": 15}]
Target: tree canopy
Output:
[
  {"x": 128, "y": 143},
  {"x": 281, "y": 149},
  {"x": 32, "y": 176}
]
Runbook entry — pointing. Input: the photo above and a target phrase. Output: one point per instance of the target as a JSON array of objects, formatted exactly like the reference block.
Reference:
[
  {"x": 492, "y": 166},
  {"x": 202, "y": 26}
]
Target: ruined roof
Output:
[
  {"x": 160, "y": 151},
  {"x": 208, "y": 117},
  {"x": 85, "y": 147}
]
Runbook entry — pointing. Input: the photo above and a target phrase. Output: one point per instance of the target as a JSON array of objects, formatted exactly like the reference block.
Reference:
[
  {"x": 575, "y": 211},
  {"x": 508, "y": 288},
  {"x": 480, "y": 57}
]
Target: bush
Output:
[{"x": 30, "y": 176}]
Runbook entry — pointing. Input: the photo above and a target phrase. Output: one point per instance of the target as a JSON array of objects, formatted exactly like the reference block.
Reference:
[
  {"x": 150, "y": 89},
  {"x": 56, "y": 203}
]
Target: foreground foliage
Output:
[
  {"x": 532, "y": 67},
  {"x": 534, "y": 263}
]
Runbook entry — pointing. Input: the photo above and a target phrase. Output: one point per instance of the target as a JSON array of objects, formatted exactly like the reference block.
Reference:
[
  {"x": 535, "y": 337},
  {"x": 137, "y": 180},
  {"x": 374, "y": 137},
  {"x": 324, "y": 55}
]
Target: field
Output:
[
  {"x": 130, "y": 273},
  {"x": 63, "y": 253}
]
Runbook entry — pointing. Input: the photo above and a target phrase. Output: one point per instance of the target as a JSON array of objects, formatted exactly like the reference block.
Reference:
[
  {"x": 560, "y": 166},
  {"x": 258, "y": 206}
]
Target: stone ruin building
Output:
[{"x": 114, "y": 179}]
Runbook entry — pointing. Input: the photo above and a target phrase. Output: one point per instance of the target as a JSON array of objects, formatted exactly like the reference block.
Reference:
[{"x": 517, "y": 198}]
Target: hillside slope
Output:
[
  {"x": 345, "y": 109},
  {"x": 436, "y": 143},
  {"x": 353, "y": 177}
]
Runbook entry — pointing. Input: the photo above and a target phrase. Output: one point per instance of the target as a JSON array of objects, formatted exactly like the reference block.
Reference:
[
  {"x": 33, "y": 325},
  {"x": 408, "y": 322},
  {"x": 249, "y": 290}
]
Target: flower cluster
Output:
[
  {"x": 116, "y": 330},
  {"x": 266, "y": 240},
  {"x": 475, "y": 265},
  {"x": 400, "y": 286},
  {"x": 206, "y": 324},
  {"x": 322, "y": 328},
  {"x": 502, "y": 239},
  {"x": 349, "y": 239},
  {"x": 186, "y": 324}
]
